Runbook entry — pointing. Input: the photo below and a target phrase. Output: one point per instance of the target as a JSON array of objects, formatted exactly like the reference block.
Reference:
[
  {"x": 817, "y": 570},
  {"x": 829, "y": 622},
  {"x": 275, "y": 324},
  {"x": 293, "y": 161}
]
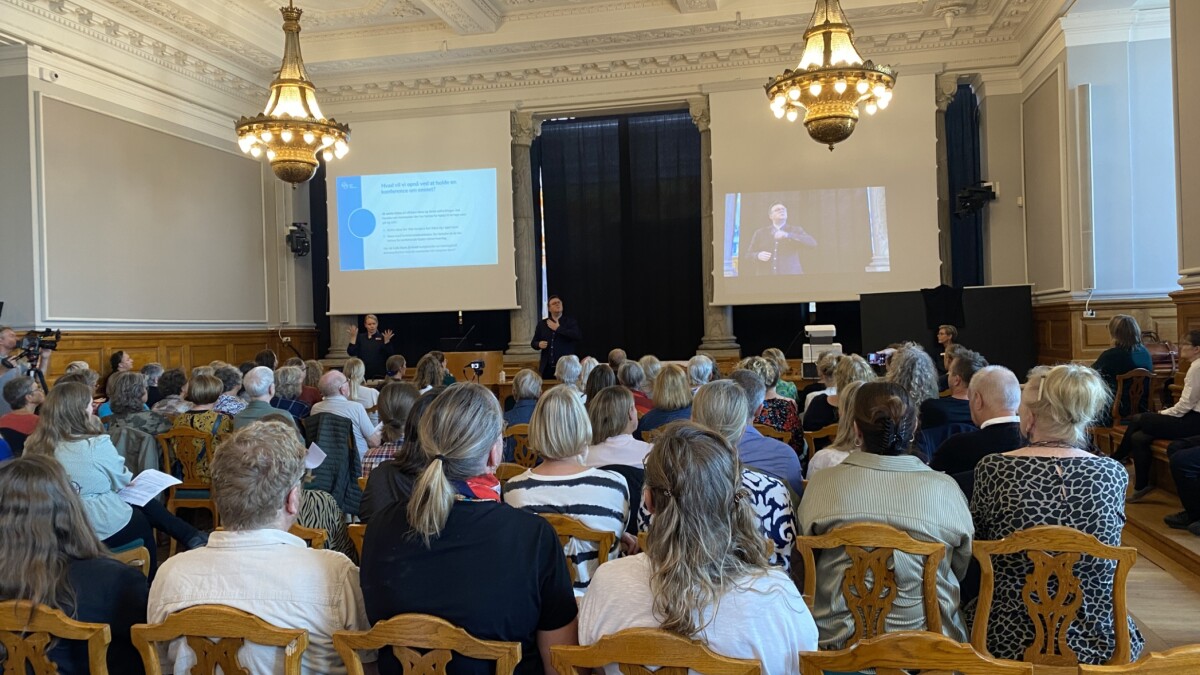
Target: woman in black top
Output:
[
  {"x": 51, "y": 556},
  {"x": 1125, "y": 354},
  {"x": 373, "y": 347}
]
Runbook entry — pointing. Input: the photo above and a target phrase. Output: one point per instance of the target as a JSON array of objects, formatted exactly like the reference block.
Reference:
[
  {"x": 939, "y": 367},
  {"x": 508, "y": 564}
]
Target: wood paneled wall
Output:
[
  {"x": 1063, "y": 333},
  {"x": 178, "y": 349}
]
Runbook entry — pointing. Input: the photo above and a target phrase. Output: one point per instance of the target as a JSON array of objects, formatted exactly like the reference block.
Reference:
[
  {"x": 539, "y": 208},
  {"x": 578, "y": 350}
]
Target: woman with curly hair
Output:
[{"x": 913, "y": 370}]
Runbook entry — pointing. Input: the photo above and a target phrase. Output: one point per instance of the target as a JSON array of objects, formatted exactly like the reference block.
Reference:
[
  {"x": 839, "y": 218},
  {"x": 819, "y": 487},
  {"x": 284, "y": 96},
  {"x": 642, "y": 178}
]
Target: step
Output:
[{"x": 1144, "y": 521}]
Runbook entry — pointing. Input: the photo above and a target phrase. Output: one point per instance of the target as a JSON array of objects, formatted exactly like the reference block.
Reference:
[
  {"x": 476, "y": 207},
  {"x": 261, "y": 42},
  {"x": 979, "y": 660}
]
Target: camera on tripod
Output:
[{"x": 34, "y": 343}]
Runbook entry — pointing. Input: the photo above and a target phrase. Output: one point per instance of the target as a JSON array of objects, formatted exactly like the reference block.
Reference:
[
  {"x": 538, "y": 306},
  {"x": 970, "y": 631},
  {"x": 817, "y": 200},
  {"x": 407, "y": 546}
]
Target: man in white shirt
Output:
[
  {"x": 254, "y": 565},
  {"x": 335, "y": 388},
  {"x": 614, "y": 419}
]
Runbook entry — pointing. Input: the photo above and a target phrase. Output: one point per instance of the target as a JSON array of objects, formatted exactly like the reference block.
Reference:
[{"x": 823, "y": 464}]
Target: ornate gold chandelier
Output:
[
  {"x": 291, "y": 130},
  {"x": 831, "y": 81}
]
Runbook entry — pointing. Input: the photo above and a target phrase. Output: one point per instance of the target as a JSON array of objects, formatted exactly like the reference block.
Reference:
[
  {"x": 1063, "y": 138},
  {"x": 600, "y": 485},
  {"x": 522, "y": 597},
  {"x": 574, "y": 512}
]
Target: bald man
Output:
[
  {"x": 334, "y": 387},
  {"x": 994, "y": 395}
]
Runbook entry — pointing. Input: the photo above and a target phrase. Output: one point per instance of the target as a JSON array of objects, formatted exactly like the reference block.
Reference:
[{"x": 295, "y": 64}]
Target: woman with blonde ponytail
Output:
[
  {"x": 704, "y": 574},
  {"x": 454, "y": 551}
]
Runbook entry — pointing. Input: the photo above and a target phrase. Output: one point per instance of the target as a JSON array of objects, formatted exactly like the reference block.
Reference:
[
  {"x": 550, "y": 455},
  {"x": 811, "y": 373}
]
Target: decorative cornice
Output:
[
  {"x": 467, "y": 17},
  {"x": 1118, "y": 25},
  {"x": 699, "y": 110},
  {"x": 195, "y": 30},
  {"x": 693, "y": 6}
]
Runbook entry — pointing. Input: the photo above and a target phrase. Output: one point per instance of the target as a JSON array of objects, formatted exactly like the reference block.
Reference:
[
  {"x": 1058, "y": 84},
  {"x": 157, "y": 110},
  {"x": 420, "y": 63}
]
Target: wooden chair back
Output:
[
  {"x": 897, "y": 653},
  {"x": 869, "y": 586},
  {"x": 523, "y": 453},
  {"x": 1184, "y": 659},
  {"x": 810, "y": 437},
  {"x": 26, "y": 630},
  {"x": 137, "y": 557},
  {"x": 568, "y": 528},
  {"x": 357, "y": 532},
  {"x": 633, "y": 649},
  {"x": 1053, "y": 550},
  {"x": 423, "y": 645},
  {"x": 1137, "y": 383},
  {"x": 215, "y": 634},
  {"x": 508, "y": 470},
  {"x": 362, "y": 483},
  {"x": 186, "y": 445},
  {"x": 771, "y": 432},
  {"x": 315, "y": 538}
]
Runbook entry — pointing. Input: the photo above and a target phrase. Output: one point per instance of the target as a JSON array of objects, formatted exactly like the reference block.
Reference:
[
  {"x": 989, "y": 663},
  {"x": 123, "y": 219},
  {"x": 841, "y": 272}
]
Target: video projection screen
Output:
[
  {"x": 422, "y": 210},
  {"x": 794, "y": 222}
]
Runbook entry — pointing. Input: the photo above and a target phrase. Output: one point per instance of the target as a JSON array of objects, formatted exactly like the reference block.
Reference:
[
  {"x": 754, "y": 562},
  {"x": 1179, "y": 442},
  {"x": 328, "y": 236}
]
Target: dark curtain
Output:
[
  {"x": 318, "y": 215},
  {"x": 963, "y": 166},
  {"x": 621, "y": 205}
]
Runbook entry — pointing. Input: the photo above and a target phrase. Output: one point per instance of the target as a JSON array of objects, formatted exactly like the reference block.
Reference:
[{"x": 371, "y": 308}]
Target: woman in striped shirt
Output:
[{"x": 560, "y": 431}]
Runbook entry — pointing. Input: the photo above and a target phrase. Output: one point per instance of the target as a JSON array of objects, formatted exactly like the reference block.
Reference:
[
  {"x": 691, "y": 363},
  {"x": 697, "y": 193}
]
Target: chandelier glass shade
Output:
[
  {"x": 831, "y": 80},
  {"x": 291, "y": 131}
]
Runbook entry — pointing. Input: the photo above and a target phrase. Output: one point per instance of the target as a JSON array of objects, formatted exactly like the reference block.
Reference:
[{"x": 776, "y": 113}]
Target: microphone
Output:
[{"x": 463, "y": 338}]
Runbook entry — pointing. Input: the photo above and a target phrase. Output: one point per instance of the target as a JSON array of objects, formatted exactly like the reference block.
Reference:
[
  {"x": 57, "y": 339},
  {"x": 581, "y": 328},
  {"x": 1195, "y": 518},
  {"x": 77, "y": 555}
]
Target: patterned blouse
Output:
[
  {"x": 780, "y": 413},
  {"x": 787, "y": 389},
  {"x": 218, "y": 424},
  {"x": 772, "y": 504},
  {"x": 320, "y": 511},
  {"x": 1084, "y": 493}
]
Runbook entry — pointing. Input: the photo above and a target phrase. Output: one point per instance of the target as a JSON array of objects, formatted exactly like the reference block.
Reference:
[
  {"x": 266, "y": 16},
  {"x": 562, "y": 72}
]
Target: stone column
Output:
[
  {"x": 718, "y": 340},
  {"x": 523, "y": 320},
  {"x": 337, "y": 340}
]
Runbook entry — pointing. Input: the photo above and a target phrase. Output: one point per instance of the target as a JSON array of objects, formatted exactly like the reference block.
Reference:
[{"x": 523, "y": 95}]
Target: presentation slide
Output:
[
  {"x": 806, "y": 232},
  {"x": 417, "y": 220}
]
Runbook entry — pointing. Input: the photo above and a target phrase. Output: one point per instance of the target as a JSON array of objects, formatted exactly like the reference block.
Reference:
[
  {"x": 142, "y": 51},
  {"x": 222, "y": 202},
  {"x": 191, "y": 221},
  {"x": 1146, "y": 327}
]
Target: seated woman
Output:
[
  {"x": 429, "y": 373},
  {"x": 912, "y": 369},
  {"x": 560, "y": 432},
  {"x": 355, "y": 372},
  {"x": 170, "y": 388},
  {"x": 827, "y": 364},
  {"x": 568, "y": 371},
  {"x": 439, "y": 552},
  {"x": 393, "y": 479},
  {"x": 601, "y": 376},
  {"x": 886, "y": 484},
  {"x": 632, "y": 377},
  {"x": 1179, "y": 421},
  {"x": 119, "y": 362},
  {"x": 202, "y": 392},
  {"x": 777, "y": 411},
  {"x": 309, "y": 392},
  {"x": 1126, "y": 353},
  {"x": 672, "y": 400},
  {"x": 394, "y": 404},
  {"x": 826, "y": 408},
  {"x": 1053, "y": 481},
  {"x": 614, "y": 419},
  {"x": 785, "y": 388},
  {"x": 68, "y": 432},
  {"x": 127, "y": 397},
  {"x": 395, "y": 367},
  {"x": 52, "y": 557},
  {"x": 845, "y": 442},
  {"x": 289, "y": 380},
  {"x": 704, "y": 574}
]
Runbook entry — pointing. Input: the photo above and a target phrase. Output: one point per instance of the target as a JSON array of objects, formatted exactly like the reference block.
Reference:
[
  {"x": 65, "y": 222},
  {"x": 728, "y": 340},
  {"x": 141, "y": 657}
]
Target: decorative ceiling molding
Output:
[
  {"x": 1120, "y": 25},
  {"x": 692, "y": 6},
  {"x": 195, "y": 30},
  {"x": 467, "y": 17}
]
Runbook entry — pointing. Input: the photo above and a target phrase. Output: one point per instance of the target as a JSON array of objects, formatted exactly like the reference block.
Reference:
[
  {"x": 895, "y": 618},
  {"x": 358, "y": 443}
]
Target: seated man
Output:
[
  {"x": 616, "y": 357},
  {"x": 768, "y": 455},
  {"x": 1184, "y": 456},
  {"x": 993, "y": 396},
  {"x": 23, "y": 395},
  {"x": 259, "y": 384},
  {"x": 334, "y": 387},
  {"x": 254, "y": 564},
  {"x": 954, "y": 409}
]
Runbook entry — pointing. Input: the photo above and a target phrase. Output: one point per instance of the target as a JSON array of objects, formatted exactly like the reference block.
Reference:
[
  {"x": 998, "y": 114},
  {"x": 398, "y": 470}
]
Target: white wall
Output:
[{"x": 1000, "y": 158}]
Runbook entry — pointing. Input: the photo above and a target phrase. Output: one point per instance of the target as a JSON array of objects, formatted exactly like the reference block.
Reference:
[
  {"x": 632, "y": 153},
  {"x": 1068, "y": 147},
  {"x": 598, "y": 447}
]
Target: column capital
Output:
[
  {"x": 947, "y": 87},
  {"x": 525, "y": 127},
  {"x": 698, "y": 108}
]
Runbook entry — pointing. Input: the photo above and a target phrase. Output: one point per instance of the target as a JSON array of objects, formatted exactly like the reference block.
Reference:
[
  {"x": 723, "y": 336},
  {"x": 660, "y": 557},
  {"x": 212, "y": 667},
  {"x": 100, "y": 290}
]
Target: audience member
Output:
[
  {"x": 885, "y": 483},
  {"x": 568, "y": 371},
  {"x": 785, "y": 388},
  {"x": 776, "y": 411},
  {"x": 913, "y": 370},
  {"x": 947, "y": 335},
  {"x": 1054, "y": 481},
  {"x": 614, "y": 419},
  {"x": 229, "y": 402},
  {"x": 11, "y": 366},
  {"x": 651, "y": 366},
  {"x": 372, "y": 346},
  {"x": 77, "y": 365},
  {"x": 1126, "y": 353},
  {"x": 447, "y": 376},
  {"x": 335, "y": 387},
  {"x": 1184, "y": 458},
  {"x": 1179, "y": 421},
  {"x": 127, "y": 396},
  {"x": 310, "y": 393},
  {"x": 289, "y": 380},
  {"x": 118, "y": 362},
  {"x": 355, "y": 371},
  {"x": 616, "y": 359},
  {"x": 586, "y": 365},
  {"x": 396, "y": 365},
  {"x": 395, "y": 402},
  {"x": 267, "y": 359},
  {"x": 827, "y": 364},
  {"x": 955, "y": 408},
  {"x": 699, "y": 369},
  {"x": 264, "y": 570},
  {"x": 633, "y": 378},
  {"x": 170, "y": 388},
  {"x": 994, "y": 396},
  {"x": 436, "y": 553},
  {"x": 429, "y": 373},
  {"x": 152, "y": 371},
  {"x": 23, "y": 395},
  {"x": 602, "y": 376},
  {"x": 393, "y": 480},
  {"x": 672, "y": 400},
  {"x": 52, "y": 557},
  {"x": 560, "y": 432},
  {"x": 846, "y": 440},
  {"x": 245, "y": 367},
  {"x": 294, "y": 361},
  {"x": 202, "y": 393},
  {"x": 704, "y": 574},
  {"x": 719, "y": 405},
  {"x": 68, "y": 432},
  {"x": 259, "y": 385}
]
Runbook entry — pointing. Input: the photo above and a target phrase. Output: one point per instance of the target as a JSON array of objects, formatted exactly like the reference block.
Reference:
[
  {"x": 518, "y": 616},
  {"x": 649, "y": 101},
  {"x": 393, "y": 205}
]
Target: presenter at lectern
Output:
[
  {"x": 775, "y": 249},
  {"x": 556, "y": 336}
]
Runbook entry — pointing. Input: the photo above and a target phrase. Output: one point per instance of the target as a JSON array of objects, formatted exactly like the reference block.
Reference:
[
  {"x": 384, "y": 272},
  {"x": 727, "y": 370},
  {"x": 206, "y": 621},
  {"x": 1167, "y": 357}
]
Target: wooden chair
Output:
[
  {"x": 437, "y": 639},
  {"x": 187, "y": 445},
  {"x": 136, "y": 557},
  {"x": 771, "y": 432},
  {"x": 895, "y": 653},
  {"x": 215, "y": 634},
  {"x": 810, "y": 437},
  {"x": 1138, "y": 382},
  {"x": 1053, "y": 550},
  {"x": 633, "y": 649},
  {"x": 312, "y": 536},
  {"x": 870, "y": 547},
  {"x": 356, "y": 532},
  {"x": 568, "y": 528},
  {"x": 1184, "y": 659},
  {"x": 26, "y": 630},
  {"x": 508, "y": 470},
  {"x": 362, "y": 483},
  {"x": 523, "y": 454}
]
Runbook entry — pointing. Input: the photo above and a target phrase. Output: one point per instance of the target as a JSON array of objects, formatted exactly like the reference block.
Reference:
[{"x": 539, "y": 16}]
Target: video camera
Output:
[{"x": 34, "y": 343}]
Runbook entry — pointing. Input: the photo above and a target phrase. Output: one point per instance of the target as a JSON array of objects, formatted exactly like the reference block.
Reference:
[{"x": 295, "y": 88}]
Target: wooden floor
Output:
[{"x": 1164, "y": 585}]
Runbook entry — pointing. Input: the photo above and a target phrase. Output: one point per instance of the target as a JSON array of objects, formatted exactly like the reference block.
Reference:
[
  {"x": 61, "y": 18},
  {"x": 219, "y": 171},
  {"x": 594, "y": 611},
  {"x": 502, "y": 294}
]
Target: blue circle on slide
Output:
[{"x": 361, "y": 223}]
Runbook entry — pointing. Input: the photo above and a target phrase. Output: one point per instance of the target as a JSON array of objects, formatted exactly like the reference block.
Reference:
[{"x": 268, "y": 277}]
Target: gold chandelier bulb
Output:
[
  {"x": 814, "y": 89},
  {"x": 792, "y": 114},
  {"x": 862, "y": 86}
]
